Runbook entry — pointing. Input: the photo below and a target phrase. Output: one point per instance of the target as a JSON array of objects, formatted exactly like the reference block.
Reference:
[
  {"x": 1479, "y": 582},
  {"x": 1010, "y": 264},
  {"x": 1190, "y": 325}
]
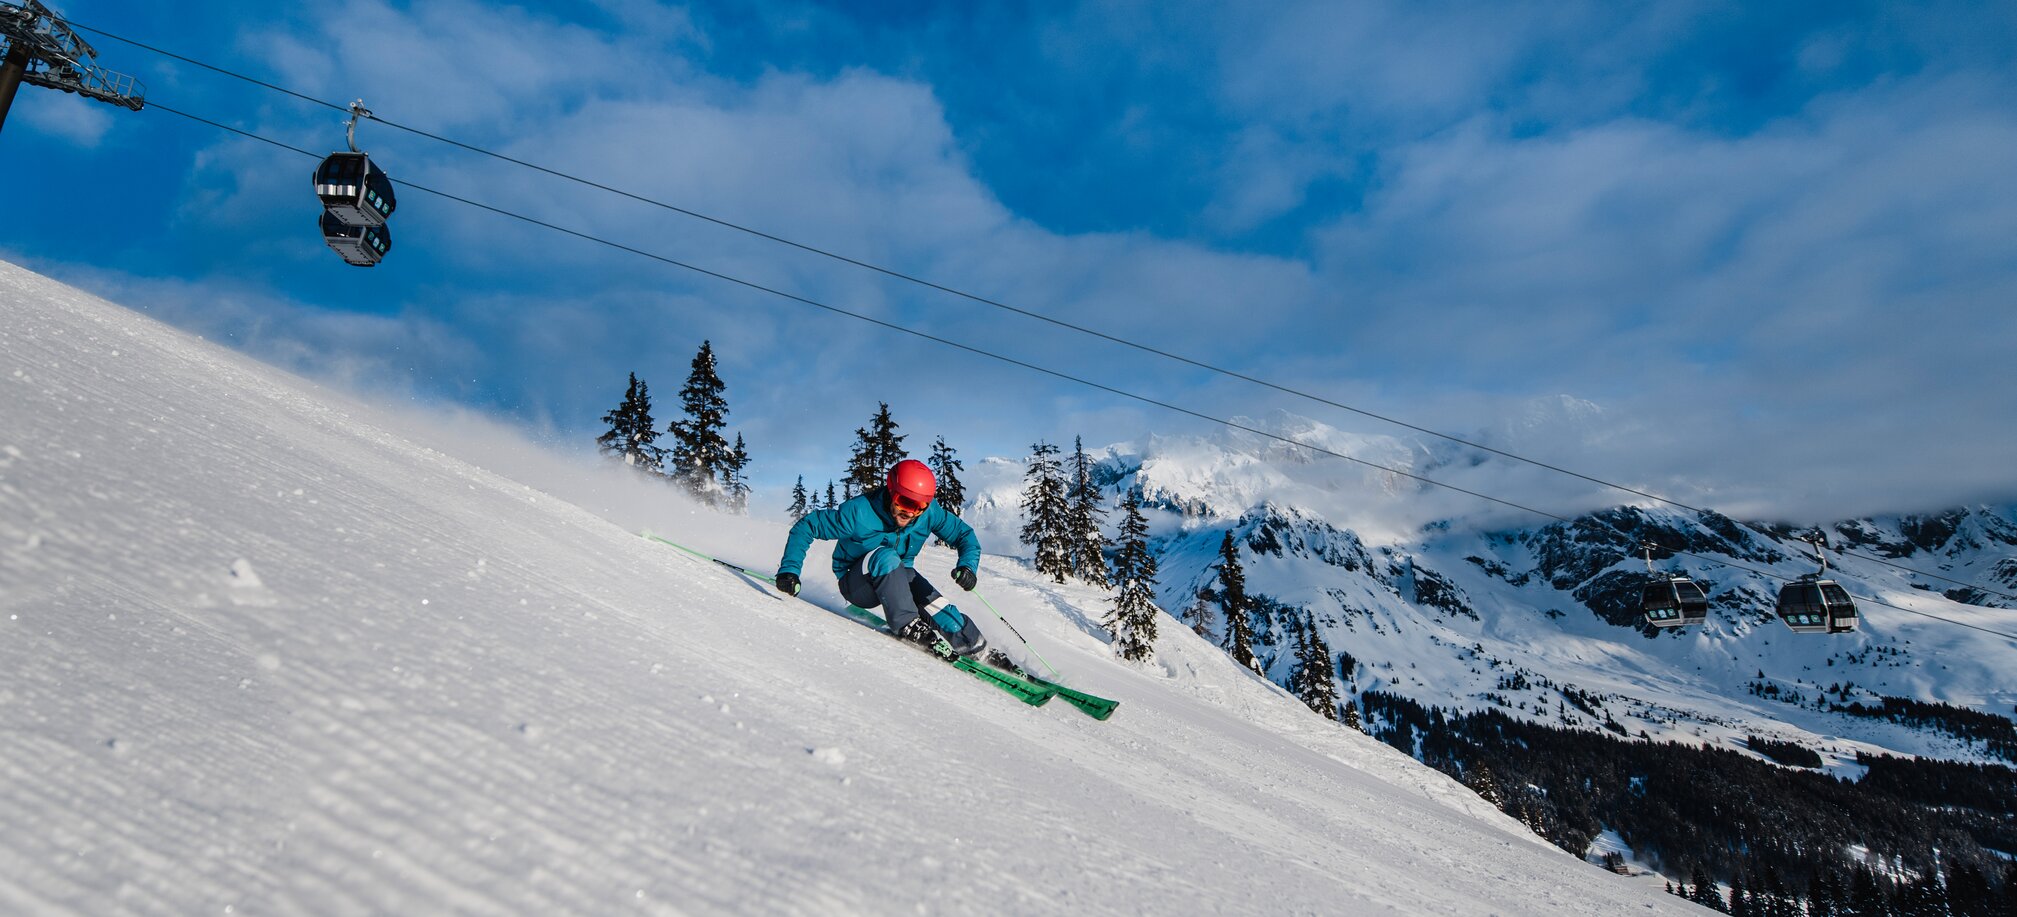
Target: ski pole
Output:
[
  {"x": 736, "y": 567},
  {"x": 1019, "y": 635}
]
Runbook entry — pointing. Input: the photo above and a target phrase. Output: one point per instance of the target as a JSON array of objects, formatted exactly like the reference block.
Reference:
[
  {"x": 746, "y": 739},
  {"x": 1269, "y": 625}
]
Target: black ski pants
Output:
[
  {"x": 882, "y": 580},
  {"x": 900, "y": 592}
]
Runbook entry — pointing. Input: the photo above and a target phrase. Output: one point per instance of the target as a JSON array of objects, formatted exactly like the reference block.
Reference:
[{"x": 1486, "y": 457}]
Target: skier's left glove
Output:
[
  {"x": 787, "y": 583},
  {"x": 964, "y": 577}
]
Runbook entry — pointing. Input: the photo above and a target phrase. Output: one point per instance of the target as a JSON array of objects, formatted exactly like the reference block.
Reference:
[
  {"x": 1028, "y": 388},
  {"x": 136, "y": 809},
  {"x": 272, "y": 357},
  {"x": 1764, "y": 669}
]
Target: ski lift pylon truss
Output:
[{"x": 57, "y": 58}]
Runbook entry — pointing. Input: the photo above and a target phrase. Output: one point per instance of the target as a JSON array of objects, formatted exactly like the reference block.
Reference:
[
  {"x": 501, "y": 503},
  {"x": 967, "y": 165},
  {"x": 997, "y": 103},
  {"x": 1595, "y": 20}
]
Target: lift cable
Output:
[{"x": 752, "y": 285}]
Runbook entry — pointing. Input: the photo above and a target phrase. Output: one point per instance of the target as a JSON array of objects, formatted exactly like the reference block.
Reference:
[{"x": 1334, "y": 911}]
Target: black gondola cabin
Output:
[
  {"x": 1674, "y": 601},
  {"x": 1811, "y": 605},
  {"x": 355, "y": 189},
  {"x": 363, "y": 246}
]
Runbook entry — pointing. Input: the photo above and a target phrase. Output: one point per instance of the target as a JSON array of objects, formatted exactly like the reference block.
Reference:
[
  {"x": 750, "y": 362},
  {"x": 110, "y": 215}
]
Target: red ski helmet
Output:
[{"x": 911, "y": 484}]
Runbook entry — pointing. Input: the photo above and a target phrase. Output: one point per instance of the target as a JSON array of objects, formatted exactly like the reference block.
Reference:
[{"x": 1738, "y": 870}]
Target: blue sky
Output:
[{"x": 1765, "y": 254}]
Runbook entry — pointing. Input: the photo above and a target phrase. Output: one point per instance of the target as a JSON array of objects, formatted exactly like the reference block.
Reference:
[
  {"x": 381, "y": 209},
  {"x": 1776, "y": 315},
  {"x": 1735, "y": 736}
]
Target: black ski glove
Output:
[
  {"x": 964, "y": 577},
  {"x": 787, "y": 583}
]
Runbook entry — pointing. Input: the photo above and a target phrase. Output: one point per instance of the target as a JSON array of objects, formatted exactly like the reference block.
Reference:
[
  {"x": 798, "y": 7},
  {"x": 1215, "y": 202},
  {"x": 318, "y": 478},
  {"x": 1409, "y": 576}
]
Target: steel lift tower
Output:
[{"x": 42, "y": 50}]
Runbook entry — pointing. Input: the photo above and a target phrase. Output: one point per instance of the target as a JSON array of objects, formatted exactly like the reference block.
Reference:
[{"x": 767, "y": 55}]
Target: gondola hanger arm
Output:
[
  {"x": 1819, "y": 554},
  {"x": 357, "y": 110}
]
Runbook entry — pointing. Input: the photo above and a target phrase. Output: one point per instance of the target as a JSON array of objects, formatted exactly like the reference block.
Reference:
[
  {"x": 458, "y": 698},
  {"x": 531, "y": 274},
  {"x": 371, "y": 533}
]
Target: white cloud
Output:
[
  {"x": 77, "y": 120},
  {"x": 466, "y": 65},
  {"x": 1803, "y": 310},
  {"x": 1840, "y": 269}
]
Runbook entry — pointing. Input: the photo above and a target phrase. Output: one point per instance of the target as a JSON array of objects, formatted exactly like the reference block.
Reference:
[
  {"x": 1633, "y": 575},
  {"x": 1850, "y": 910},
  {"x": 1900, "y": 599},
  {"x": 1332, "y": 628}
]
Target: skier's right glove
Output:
[
  {"x": 787, "y": 583},
  {"x": 964, "y": 577}
]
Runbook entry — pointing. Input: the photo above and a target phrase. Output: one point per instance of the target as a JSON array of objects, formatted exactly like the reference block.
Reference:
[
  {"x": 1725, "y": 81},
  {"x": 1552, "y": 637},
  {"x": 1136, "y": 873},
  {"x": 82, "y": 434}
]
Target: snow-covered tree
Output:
[
  {"x": 1706, "y": 894},
  {"x": 1751, "y": 901},
  {"x": 1313, "y": 682},
  {"x": 800, "y": 504},
  {"x": 1199, "y": 614},
  {"x": 1084, "y": 518},
  {"x": 951, "y": 493},
  {"x": 1044, "y": 512},
  {"x": 1477, "y": 777},
  {"x": 631, "y": 434},
  {"x": 1233, "y": 598},
  {"x": 1133, "y": 620},
  {"x": 1351, "y": 716},
  {"x": 734, "y": 483},
  {"x": 877, "y": 449},
  {"x": 699, "y": 452}
]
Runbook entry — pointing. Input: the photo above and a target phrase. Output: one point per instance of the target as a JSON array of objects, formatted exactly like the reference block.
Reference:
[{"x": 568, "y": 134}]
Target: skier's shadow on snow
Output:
[{"x": 767, "y": 590}]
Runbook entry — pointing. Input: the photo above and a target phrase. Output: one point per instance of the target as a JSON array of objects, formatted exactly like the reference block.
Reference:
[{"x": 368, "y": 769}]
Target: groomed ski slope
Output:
[{"x": 261, "y": 655}]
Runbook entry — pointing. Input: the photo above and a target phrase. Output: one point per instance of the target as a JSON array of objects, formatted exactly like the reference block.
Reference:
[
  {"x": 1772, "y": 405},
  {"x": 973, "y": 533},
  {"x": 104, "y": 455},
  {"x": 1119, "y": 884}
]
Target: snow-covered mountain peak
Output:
[
  {"x": 1420, "y": 599},
  {"x": 1545, "y": 419}
]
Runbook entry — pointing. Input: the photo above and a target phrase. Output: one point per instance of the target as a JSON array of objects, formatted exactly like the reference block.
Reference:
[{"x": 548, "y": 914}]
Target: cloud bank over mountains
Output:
[{"x": 1768, "y": 246}]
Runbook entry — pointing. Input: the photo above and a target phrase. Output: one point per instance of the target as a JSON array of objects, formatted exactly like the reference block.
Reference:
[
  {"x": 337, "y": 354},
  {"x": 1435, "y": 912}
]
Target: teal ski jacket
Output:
[{"x": 863, "y": 524}]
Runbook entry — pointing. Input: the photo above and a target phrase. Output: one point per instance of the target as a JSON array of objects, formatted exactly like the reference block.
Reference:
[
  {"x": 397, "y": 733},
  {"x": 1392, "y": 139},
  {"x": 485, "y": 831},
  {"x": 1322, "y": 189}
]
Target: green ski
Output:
[
  {"x": 1098, "y": 708},
  {"x": 1092, "y": 705},
  {"x": 1026, "y": 690}
]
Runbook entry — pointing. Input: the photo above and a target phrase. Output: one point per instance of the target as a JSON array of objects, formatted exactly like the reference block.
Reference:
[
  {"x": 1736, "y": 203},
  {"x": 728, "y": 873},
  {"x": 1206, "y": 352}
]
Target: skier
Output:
[{"x": 878, "y": 535}]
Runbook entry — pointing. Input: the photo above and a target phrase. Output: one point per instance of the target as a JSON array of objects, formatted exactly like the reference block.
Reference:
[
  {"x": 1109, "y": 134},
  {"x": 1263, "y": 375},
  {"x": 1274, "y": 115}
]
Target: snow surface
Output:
[{"x": 260, "y": 654}]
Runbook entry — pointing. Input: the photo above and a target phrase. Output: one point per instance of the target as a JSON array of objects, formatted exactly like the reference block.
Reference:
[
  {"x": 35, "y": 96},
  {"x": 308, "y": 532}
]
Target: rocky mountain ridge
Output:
[{"x": 1543, "y": 621}]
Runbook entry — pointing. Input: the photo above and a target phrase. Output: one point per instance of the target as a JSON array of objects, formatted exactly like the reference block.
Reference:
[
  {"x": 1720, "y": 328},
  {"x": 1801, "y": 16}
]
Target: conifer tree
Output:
[
  {"x": 1705, "y": 892},
  {"x": 877, "y": 449},
  {"x": 700, "y": 453},
  {"x": 1822, "y": 894},
  {"x": 734, "y": 484},
  {"x": 799, "y": 505},
  {"x": 951, "y": 493},
  {"x": 1312, "y": 682},
  {"x": 1477, "y": 777},
  {"x": 1133, "y": 620},
  {"x": 1199, "y": 614},
  {"x": 1864, "y": 897},
  {"x": 1083, "y": 520},
  {"x": 1239, "y": 630},
  {"x": 631, "y": 433},
  {"x": 1779, "y": 900},
  {"x": 1923, "y": 896},
  {"x": 831, "y": 503},
  {"x": 1351, "y": 715},
  {"x": 1968, "y": 892},
  {"x": 1044, "y": 512}
]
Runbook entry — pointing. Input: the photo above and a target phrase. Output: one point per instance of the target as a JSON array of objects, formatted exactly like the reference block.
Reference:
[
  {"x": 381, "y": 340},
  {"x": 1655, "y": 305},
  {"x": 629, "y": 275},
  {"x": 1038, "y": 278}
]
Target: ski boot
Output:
[
  {"x": 1001, "y": 660},
  {"x": 920, "y": 632},
  {"x": 960, "y": 632}
]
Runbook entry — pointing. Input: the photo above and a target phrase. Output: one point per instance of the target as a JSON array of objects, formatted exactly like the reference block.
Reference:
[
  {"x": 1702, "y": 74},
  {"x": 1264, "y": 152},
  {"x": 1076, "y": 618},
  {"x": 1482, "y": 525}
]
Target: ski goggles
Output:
[{"x": 906, "y": 503}]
